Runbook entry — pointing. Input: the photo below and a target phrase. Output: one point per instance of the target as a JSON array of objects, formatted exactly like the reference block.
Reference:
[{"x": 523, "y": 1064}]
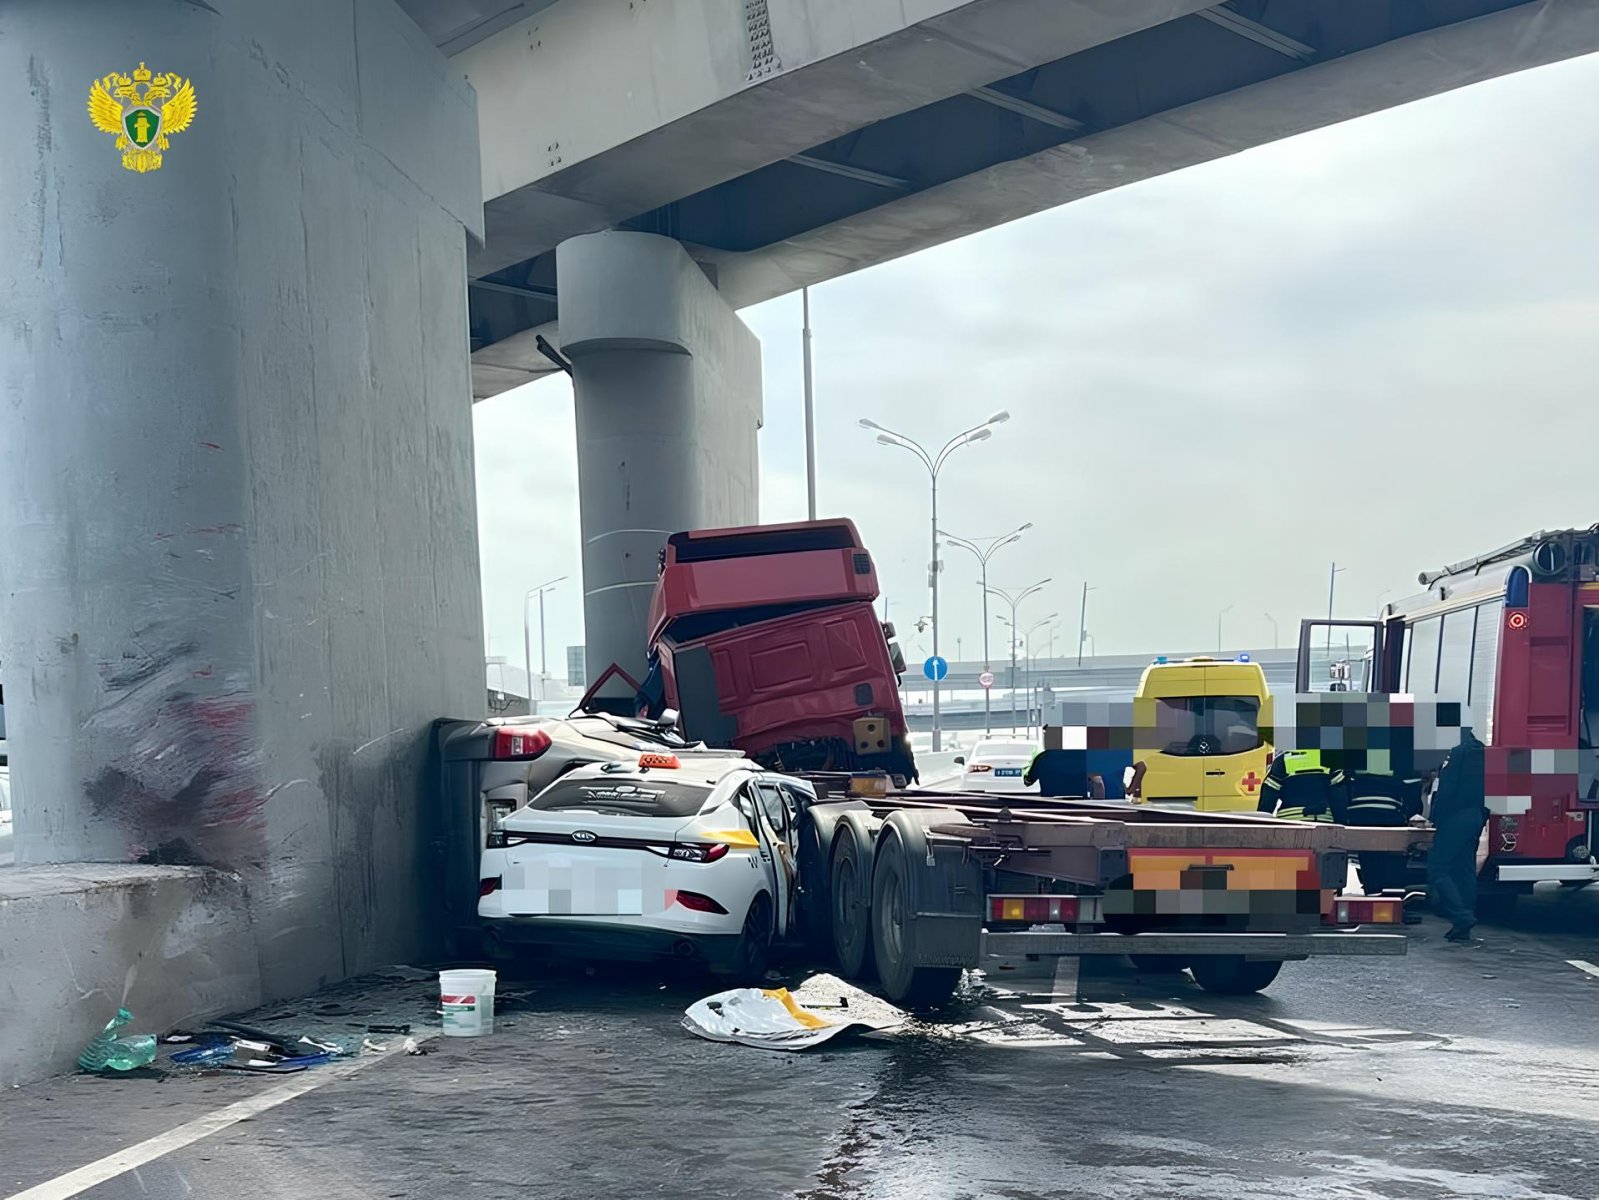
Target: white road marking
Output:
[
  {"x": 1583, "y": 966},
  {"x": 75, "y": 1183}
]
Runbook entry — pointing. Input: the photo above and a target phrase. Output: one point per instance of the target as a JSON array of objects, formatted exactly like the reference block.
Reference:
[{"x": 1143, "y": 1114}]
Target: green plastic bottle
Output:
[{"x": 108, "y": 1052}]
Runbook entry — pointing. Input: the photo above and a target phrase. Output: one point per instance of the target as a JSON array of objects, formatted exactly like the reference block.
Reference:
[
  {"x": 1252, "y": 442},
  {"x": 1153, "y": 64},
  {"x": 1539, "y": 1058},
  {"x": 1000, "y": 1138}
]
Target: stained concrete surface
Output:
[{"x": 1456, "y": 1072}]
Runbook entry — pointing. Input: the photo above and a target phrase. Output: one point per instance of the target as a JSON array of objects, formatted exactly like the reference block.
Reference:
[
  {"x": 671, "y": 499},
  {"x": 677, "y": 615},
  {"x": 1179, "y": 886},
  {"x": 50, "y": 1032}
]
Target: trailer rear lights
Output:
[
  {"x": 978, "y": 768},
  {"x": 1044, "y": 910},
  {"x": 1368, "y": 910},
  {"x": 666, "y": 761},
  {"x": 511, "y": 743},
  {"x": 695, "y": 901},
  {"x": 486, "y": 887}
]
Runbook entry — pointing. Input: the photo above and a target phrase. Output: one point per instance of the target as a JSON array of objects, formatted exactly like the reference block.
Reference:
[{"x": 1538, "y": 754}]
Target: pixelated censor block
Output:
[{"x": 1359, "y": 731}]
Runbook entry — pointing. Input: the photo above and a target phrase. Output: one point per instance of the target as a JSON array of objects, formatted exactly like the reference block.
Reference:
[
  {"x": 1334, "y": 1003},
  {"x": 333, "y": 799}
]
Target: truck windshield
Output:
[
  {"x": 1204, "y": 725},
  {"x": 645, "y": 797}
]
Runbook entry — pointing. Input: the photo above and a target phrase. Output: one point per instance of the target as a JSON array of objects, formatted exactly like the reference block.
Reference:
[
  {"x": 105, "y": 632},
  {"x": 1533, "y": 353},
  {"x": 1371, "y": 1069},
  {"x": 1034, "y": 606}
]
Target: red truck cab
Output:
[{"x": 765, "y": 639}]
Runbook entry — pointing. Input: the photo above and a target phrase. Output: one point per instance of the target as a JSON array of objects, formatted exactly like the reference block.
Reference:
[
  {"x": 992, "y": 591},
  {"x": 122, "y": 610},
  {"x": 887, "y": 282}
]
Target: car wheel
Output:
[
  {"x": 754, "y": 945},
  {"x": 851, "y": 907},
  {"x": 894, "y": 936},
  {"x": 1230, "y": 975}
]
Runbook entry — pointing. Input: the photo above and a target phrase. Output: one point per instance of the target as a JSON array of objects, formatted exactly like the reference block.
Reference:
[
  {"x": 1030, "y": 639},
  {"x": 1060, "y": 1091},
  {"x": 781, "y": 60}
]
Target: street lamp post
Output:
[
  {"x": 1332, "y": 582},
  {"x": 1219, "y": 616},
  {"x": 1027, "y": 648},
  {"x": 1275, "y": 641},
  {"x": 1082, "y": 623},
  {"x": 527, "y": 637},
  {"x": 983, "y": 554},
  {"x": 934, "y": 463},
  {"x": 1015, "y": 600},
  {"x": 810, "y": 411}
]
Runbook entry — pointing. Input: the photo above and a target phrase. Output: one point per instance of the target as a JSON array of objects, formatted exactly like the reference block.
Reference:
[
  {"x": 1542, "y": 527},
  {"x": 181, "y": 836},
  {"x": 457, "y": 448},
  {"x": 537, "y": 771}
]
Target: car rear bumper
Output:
[{"x": 600, "y": 939}]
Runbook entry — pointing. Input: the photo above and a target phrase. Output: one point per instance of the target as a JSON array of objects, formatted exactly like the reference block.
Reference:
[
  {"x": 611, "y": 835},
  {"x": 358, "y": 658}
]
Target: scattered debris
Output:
[
  {"x": 412, "y": 1046},
  {"x": 389, "y": 1028},
  {"x": 108, "y": 1052},
  {"x": 374, "y": 1047},
  {"x": 216, "y": 1052},
  {"x": 775, "y": 1019}
]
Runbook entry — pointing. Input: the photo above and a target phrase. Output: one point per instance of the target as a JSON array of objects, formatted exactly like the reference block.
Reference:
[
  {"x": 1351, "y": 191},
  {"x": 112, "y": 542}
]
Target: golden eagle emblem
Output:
[{"x": 143, "y": 110}]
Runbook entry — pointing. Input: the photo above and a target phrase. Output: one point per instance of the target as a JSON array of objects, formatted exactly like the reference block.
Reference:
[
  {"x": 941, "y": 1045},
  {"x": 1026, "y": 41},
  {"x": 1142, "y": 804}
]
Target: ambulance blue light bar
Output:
[{"x": 1243, "y": 658}]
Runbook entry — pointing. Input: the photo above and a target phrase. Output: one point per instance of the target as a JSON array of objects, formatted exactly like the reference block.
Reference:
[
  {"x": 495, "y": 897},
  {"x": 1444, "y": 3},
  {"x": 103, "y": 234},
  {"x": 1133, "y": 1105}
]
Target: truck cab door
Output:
[{"x": 1340, "y": 656}]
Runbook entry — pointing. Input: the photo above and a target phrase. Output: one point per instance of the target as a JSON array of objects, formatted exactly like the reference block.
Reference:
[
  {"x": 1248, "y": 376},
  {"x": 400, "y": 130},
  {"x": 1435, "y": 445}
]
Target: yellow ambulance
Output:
[{"x": 1198, "y": 726}]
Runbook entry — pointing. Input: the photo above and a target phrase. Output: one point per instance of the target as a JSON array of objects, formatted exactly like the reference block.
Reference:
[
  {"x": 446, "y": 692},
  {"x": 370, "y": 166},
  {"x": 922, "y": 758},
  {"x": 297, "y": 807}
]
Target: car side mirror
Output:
[{"x": 960, "y": 760}]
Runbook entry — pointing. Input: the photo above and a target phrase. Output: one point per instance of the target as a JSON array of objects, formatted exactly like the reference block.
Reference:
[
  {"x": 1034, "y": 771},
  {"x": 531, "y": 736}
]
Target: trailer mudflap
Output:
[
  {"x": 946, "y": 895},
  {"x": 1283, "y": 946}
]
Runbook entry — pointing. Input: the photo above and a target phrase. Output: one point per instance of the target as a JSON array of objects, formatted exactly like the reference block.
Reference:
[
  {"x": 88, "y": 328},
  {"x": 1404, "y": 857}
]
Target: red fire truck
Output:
[
  {"x": 765, "y": 639},
  {"x": 1514, "y": 635}
]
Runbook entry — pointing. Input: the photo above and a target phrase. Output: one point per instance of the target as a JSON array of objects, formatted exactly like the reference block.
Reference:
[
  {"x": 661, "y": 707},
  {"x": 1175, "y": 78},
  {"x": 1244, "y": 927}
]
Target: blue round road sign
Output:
[{"x": 935, "y": 668}]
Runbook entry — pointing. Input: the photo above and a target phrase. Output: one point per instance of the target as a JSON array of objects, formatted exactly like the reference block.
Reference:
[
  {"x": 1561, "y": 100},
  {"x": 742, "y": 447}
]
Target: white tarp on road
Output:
[{"x": 822, "y": 1009}]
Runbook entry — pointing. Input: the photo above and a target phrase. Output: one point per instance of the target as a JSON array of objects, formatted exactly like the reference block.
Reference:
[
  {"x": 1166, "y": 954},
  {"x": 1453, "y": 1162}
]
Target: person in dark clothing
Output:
[
  {"x": 1298, "y": 788},
  {"x": 1062, "y": 773},
  {"x": 1379, "y": 799},
  {"x": 1459, "y": 812}
]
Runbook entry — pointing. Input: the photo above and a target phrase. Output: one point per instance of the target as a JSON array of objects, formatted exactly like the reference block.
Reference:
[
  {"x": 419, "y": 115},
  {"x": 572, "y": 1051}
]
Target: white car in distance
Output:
[
  {"x": 686, "y": 854},
  {"x": 996, "y": 765}
]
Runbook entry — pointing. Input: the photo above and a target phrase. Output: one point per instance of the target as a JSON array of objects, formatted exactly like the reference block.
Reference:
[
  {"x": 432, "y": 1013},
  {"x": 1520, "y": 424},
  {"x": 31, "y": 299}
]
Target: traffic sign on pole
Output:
[
  {"x": 986, "y": 679},
  {"x": 935, "y": 668}
]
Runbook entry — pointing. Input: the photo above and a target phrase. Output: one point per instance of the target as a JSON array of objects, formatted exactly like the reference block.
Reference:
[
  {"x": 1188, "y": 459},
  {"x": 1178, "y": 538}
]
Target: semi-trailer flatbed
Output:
[{"x": 917, "y": 885}]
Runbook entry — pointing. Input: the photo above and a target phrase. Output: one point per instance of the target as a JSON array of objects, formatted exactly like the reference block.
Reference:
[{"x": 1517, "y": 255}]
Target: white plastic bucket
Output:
[{"x": 466, "y": 999}]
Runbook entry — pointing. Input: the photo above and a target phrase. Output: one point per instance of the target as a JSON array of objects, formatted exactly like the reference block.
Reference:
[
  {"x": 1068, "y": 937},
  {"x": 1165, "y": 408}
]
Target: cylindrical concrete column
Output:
[
  {"x": 667, "y": 383},
  {"x": 126, "y": 607},
  {"x": 238, "y": 565}
]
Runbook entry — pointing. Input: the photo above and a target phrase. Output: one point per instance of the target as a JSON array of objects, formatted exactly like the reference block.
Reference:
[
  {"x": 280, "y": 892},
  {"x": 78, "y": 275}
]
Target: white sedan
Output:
[
  {"x": 995, "y": 765},
  {"x": 688, "y": 854}
]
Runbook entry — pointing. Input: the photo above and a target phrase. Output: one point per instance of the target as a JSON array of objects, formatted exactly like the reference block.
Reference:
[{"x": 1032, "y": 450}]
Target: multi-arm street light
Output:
[
  {"x": 1014, "y": 600},
  {"x": 984, "y": 553},
  {"x": 935, "y": 463}
]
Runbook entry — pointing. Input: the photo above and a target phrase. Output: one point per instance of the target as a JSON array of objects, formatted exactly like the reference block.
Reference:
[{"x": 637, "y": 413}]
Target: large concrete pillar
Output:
[
  {"x": 668, "y": 387},
  {"x": 238, "y": 556}
]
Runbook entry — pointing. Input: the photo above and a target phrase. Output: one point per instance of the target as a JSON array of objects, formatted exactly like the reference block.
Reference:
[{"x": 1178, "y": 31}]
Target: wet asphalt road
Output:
[{"x": 1455, "y": 1072}]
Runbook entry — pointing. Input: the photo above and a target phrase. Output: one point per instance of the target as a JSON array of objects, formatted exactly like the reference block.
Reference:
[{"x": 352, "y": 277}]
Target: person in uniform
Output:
[
  {"x": 1379, "y": 799},
  {"x": 1459, "y": 813},
  {"x": 1063, "y": 773},
  {"x": 1299, "y": 788}
]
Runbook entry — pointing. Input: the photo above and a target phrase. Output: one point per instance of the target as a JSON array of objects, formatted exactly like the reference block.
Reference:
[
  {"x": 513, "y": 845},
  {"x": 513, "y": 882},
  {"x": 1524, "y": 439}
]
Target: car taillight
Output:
[
  {"x": 1045, "y": 910},
  {"x": 695, "y": 901},
  {"x": 486, "y": 886},
  {"x": 698, "y": 852},
  {"x": 978, "y": 768},
  {"x": 520, "y": 743}
]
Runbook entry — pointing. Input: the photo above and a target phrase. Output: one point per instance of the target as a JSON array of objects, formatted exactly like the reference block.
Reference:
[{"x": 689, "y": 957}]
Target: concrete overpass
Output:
[
  {"x": 777, "y": 143},
  {"x": 237, "y": 522}
]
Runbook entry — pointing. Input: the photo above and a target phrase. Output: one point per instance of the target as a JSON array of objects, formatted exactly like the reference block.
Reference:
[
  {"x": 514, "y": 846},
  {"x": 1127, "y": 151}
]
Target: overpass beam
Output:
[{"x": 667, "y": 380}]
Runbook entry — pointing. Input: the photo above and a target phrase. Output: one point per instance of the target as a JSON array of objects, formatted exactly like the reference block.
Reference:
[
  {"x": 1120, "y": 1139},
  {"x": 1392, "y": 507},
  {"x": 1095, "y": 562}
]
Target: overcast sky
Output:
[{"x": 1376, "y": 344}]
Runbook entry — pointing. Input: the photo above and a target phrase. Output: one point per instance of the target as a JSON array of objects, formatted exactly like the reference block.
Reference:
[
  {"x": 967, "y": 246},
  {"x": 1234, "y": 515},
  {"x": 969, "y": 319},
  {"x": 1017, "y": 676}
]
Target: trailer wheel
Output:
[
  {"x": 1159, "y": 964},
  {"x": 894, "y": 935},
  {"x": 851, "y": 900},
  {"x": 1232, "y": 975}
]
